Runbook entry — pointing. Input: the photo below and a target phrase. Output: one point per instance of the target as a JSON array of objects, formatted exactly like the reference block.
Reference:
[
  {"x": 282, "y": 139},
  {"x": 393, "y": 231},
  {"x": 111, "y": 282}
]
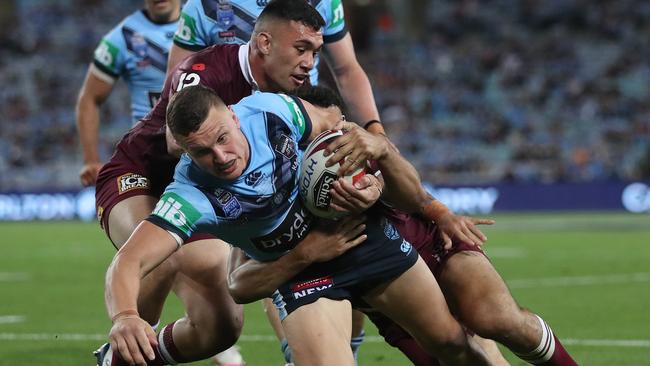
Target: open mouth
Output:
[{"x": 299, "y": 78}]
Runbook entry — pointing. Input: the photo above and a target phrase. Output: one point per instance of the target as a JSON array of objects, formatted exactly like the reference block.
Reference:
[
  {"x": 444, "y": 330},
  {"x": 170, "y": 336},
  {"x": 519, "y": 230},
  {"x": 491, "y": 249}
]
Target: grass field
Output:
[{"x": 588, "y": 275}]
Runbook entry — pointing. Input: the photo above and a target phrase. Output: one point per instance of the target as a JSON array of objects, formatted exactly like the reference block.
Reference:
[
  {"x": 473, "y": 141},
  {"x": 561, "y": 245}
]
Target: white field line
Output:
[
  {"x": 13, "y": 276},
  {"x": 11, "y": 319},
  {"x": 580, "y": 280},
  {"x": 639, "y": 343}
]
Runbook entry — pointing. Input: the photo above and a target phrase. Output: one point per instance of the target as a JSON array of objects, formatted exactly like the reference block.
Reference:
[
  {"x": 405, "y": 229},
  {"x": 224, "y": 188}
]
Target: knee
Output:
[
  {"x": 444, "y": 341},
  {"x": 501, "y": 324}
]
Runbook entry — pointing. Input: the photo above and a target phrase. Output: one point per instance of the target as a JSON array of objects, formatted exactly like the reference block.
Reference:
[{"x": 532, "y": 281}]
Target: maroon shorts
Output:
[
  {"x": 425, "y": 237},
  {"x": 140, "y": 166}
]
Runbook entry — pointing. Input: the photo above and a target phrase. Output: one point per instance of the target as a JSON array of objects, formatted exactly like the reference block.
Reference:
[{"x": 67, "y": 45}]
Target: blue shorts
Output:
[{"x": 385, "y": 255}]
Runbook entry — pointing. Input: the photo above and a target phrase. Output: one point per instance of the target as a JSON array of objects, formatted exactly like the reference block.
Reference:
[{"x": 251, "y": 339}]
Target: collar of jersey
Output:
[{"x": 245, "y": 65}]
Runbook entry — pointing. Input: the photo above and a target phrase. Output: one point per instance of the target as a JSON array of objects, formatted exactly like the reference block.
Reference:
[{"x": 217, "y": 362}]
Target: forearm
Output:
[
  {"x": 122, "y": 285},
  {"x": 88, "y": 129},
  {"x": 403, "y": 187},
  {"x": 253, "y": 280}
]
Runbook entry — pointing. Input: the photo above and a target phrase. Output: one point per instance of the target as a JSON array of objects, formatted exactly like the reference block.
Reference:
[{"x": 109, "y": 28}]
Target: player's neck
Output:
[
  {"x": 162, "y": 19},
  {"x": 257, "y": 70}
]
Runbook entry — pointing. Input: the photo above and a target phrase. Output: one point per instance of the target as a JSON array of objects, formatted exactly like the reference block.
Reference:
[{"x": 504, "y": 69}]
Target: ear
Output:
[
  {"x": 263, "y": 42},
  {"x": 234, "y": 117}
]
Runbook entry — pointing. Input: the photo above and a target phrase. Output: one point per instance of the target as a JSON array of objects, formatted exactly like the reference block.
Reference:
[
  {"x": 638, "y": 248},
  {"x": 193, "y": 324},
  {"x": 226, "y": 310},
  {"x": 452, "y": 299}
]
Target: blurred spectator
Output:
[{"x": 491, "y": 91}]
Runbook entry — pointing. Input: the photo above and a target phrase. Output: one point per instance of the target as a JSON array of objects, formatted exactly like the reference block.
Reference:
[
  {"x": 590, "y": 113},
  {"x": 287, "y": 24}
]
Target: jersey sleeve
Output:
[
  {"x": 110, "y": 55},
  {"x": 192, "y": 33},
  {"x": 289, "y": 108},
  {"x": 332, "y": 12},
  {"x": 183, "y": 210}
]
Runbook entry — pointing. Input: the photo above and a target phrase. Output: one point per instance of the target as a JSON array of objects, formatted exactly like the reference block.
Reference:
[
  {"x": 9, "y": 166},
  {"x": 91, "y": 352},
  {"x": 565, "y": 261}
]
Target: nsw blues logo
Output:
[
  {"x": 228, "y": 203},
  {"x": 225, "y": 14},
  {"x": 389, "y": 230},
  {"x": 285, "y": 146}
]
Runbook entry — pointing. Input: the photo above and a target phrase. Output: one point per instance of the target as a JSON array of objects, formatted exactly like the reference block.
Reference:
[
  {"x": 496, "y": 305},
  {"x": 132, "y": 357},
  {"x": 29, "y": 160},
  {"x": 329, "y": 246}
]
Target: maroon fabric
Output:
[
  {"x": 143, "y": 149},
  {"x": 560, "y": 357}
]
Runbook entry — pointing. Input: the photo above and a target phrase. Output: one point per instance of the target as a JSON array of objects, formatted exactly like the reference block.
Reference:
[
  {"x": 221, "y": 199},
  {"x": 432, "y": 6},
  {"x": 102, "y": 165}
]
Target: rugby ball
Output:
[{"x": 316, "y": 179}]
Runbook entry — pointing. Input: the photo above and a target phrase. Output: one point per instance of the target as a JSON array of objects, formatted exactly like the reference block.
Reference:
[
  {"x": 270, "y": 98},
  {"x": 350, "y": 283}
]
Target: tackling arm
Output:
[
  {"x": 250, "y": 280},
  {"x": 92, "y": 95}
]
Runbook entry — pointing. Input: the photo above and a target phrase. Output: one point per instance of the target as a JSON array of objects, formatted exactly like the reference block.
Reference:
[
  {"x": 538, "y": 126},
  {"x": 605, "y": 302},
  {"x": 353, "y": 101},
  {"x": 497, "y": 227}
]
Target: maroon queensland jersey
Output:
[{"x": 141, "y": 164}]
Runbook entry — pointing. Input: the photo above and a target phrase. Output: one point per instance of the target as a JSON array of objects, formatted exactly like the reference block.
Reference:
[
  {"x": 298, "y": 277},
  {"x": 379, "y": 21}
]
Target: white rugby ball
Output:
[{"x": 316, "y": 179}]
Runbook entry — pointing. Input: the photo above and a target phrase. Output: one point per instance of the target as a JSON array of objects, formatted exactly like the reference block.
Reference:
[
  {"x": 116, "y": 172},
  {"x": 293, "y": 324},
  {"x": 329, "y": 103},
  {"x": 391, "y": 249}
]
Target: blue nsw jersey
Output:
[
  {"x": 208, "y": 22},
  {"x": 137, "y": 50},
  {"x": 260, "y": 211}
]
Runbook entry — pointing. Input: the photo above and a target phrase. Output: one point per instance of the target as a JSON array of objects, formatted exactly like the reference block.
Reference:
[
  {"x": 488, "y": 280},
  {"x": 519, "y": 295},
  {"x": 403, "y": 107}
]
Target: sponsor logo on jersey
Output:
[
  {"x": 337, "y": 14},
  {"x": 297, "y": 118},
  {"x": 131, "y": 181},
  {"x": 262, "y": 3},
  {"x": 106, "y": 54},
  {"x": 198, "y": 67},
  {"x": 177, "y": 211},
  {"x": 311, "y": 287},
  {"x": 288, "y": 234},
  {"x": 186, "y": 31},
  {"x": 253, "y": 178},
  {"x": 285, "y": 146},
  {"x": 228, "y": 202},
  {"x": 226, "y": 34},
  {"x": 405, "y": 247},
  {"x": 322, "y": 189}
]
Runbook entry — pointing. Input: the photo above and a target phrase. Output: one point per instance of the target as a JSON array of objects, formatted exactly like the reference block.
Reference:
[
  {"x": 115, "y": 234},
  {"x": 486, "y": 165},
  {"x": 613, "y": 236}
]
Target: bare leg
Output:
[
  {"x": 319, "y": 333},
  {"x": 425, "y": 315}
]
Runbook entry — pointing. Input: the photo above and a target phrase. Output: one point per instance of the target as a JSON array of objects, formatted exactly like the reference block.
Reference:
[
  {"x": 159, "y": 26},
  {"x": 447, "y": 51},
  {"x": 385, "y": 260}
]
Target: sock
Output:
[
  {"x": 549, "y": 352},
  {"x": 166, "y": 347},
  {"x": 355, "y": 343},
  {"x": 412, "y": 350},
  {"x": 286, "y": 351}
]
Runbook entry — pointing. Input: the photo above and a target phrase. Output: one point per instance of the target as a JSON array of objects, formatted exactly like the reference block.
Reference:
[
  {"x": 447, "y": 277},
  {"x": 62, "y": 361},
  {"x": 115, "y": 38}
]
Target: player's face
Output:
[
  {"x": 292, "y": 53},
  {"x": 218, "y": 146},
  {"x": 163, "y": 10}
]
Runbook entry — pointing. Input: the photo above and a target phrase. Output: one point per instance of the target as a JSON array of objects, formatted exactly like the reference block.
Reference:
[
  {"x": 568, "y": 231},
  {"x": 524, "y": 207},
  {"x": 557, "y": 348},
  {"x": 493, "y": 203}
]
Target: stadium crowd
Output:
[{"x": 487, "y": 91}]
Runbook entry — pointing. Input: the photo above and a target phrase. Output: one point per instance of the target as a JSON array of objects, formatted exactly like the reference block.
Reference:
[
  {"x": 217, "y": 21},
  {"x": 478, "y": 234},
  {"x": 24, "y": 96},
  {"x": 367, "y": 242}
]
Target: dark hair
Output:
[
  {"x": 296, "y": 10},
  {"x": 189, "y": 108},
  {"x": 319, "y": 96}
]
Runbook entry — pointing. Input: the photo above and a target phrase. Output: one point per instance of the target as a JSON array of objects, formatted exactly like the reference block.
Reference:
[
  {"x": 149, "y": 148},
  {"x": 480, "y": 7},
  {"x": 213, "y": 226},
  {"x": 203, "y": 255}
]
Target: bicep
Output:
[
  {"x": 340, "y": 55},
  {"x": 97, "y": 86}
]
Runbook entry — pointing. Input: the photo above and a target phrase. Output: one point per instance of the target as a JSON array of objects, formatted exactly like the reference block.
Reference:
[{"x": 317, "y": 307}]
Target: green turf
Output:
[{"x": 51, "y": 275}]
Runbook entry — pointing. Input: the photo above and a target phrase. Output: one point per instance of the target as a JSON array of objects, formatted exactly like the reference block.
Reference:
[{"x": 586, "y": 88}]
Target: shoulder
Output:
[
  {"x": 289, "y": 109},
  {"x": 216, "y": 67}
]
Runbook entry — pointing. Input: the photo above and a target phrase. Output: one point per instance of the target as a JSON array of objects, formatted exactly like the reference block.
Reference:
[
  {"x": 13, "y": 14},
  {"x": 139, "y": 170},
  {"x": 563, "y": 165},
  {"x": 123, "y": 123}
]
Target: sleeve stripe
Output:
[
  {"x": 103, "y": 72},
  {"x": 305, "y": 136},
  {"x": 189, "y": 47},
  {"x": 177, "y": 234},
  {"x": 331, "y": 38}
]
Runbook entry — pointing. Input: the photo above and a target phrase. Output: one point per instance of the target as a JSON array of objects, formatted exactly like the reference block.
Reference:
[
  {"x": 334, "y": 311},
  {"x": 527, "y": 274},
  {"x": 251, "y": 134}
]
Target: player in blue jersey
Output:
[
  {"x": 207, "y": 22},
  {"x": 264, "y": 136},
  {"x": 135, "y": 50}
]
